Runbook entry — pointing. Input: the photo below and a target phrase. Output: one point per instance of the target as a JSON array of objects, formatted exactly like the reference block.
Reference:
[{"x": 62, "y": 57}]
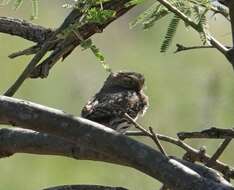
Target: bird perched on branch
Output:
[{"x": 121, "y": 93}]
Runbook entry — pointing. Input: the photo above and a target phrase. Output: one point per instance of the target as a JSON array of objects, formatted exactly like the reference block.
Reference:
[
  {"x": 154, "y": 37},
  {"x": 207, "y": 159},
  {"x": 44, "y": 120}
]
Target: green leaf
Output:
[
  {"x": 100, "y": 57},
  {"x": 97, "y": 53},
  {"x": 158, "y": 14},
  {"x": 88, "y": 44},
  {"x": 145, "y": 15},
  {"x": 150, "y": 16},
  {"x": 200, "y": 17},
  {"x": 171, "y": 31},
  {"x": 95, "y": 15}
]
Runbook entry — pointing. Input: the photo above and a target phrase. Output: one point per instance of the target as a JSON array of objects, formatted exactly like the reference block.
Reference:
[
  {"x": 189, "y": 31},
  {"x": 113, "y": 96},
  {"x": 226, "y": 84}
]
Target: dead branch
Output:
[
  {"x": 219, "y": 151},
  {"x": 192, "y": 154},
  {"x": 211, "y": 133},
  {"x": 150, "y": 134},
  {"x": 18, "y": 140}
]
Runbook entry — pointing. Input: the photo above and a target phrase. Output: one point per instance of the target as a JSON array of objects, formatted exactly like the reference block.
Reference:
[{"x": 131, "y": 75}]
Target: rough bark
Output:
[{"x": 104, "y": 140}]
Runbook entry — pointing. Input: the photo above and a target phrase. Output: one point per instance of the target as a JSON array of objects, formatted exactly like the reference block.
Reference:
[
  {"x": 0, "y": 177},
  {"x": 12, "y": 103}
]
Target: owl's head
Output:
[{"x": 125, "y": 80}]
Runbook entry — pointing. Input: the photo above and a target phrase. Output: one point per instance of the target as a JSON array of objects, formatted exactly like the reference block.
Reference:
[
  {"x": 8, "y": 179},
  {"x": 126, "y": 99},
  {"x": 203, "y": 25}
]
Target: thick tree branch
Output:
[
  {"x": 204, "y": 171},
  {"x": 19, "y": 140},
  {"x": 106, "y": 141},
  {"x": 24, "y": 29}
]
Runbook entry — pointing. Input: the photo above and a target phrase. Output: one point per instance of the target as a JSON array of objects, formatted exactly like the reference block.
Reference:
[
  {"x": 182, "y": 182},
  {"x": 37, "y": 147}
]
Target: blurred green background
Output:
[{"x": 187, "y": 91}]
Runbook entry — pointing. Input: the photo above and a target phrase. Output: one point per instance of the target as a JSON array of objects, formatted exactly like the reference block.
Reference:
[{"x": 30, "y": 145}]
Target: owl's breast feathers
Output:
[{"x": 104, "y": 107}]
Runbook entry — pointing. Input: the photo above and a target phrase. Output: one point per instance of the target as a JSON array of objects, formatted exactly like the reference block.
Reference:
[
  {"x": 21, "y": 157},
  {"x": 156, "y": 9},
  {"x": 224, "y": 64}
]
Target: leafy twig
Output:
[{"x": 214, "y": 42}]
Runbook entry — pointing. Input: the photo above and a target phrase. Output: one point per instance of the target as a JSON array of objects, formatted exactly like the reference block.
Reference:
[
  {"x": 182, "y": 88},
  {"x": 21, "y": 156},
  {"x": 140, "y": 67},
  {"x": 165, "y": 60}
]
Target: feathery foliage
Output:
[
  {"x": 150, "y": 16},
  {"x": 195, "y": 10},
  {"x": 171, "y": 31},
  {"x": 93, "y": 12}
]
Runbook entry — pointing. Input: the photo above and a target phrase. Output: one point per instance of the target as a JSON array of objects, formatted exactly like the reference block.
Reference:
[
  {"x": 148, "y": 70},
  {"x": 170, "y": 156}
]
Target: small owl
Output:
[{"x": 121, "y": 93}]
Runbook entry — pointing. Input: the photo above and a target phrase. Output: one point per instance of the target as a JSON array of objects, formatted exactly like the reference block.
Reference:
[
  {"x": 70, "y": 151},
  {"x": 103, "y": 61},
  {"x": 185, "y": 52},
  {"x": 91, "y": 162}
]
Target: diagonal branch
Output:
[
  {"x": 219, "y": 151},
  {"x": 151, "y": 134},
  {"x": 192, "y": 154},
  {"x": 66, "y": 46},
  {"x": 104, "y": 140}
]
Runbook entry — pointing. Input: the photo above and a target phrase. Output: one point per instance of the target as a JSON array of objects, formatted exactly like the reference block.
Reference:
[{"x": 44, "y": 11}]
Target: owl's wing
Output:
[
  {"x": 107, "y": 106},
  {"x": 99, "y": 108}
]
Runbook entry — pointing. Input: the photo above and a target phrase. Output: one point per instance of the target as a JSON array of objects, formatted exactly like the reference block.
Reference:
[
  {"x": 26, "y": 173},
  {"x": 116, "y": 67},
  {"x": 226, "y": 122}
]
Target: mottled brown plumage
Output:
[{"x": 121, "y": 93}]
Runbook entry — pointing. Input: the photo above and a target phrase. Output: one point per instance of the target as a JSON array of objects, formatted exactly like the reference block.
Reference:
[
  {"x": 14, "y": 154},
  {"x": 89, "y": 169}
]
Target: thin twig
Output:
[
  {"x": 180, "y": 14},
  {"x": 219, "y": 151},
  {"x": 214, "y": 42},
  {"x": 157, "y": 142},
  {"x": 218, "y": 45},
  {"x": 195, "y": 154},
  {"x": 40, "y": 54},
  {"x": 212, "y": 8},
  {"x": 28, "y": 51},
  {"x": 211, "y": 133},
  {"x": 150, "y": 134},
  {"x": 135, "y": 133},
  {"x": 181, "y": 47}
]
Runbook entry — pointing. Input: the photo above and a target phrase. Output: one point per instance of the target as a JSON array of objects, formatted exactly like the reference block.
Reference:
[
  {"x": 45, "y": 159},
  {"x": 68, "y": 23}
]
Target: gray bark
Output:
[{"x": 106, "y": 141}]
